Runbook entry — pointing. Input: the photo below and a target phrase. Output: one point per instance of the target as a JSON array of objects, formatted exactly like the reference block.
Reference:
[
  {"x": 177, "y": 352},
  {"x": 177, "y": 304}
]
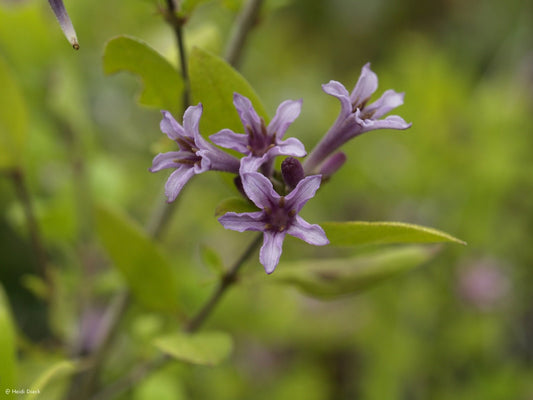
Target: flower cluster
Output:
[{"x": 279, "y": 197}]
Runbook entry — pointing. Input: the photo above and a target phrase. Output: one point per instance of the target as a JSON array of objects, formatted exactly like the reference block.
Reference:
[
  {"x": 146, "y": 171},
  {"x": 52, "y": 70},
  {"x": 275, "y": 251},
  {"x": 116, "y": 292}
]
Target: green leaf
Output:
[
  {"x": 13, "y": 119},
  {"x": 212, "y": 259},
  {"x": 234, "y": 204},
  {"x": 163, "y": 85},
  {"x": 56, "y": 371},
  {"x": 336, "y": 277},
  {"x": 213, "y": 82},
  {"x": 8, "y": 353},
  {"x": 359, "y": 233},
  {"x": 205, "y": 348},
  {"x": 139, "y": 260}
]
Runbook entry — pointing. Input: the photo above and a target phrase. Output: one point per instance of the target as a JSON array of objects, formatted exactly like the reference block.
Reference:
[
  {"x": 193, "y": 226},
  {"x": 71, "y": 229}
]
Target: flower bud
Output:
[{"x": 292, "y": 172}]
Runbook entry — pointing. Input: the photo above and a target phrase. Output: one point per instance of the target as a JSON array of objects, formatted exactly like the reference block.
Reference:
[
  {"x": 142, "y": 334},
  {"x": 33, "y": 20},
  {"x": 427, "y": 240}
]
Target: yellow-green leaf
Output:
[
  {"x": 8, "y": 357},
  {"x": 139, "y": 260},
  {"x": 56, "y": 371},
  {"x": 359, "y": 233},
  {"x": 204, "y": 348},
  {"x": 163, "y": 85},
  {"x": 234, "y": 204}
]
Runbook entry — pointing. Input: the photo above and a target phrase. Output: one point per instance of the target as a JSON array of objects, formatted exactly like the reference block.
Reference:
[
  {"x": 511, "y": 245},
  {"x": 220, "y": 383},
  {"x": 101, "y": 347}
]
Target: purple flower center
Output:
[
  {"x": 259, "y": 142},
  {"x": 279, "y": 218},
  {"x": 187, "y": 144}
]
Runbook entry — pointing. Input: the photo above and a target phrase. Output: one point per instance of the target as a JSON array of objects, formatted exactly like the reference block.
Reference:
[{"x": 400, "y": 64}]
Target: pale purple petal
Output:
[
  {"x": 230, "y": 140},
  {"x": 365, "y": 87},
  {"x": 191, "y": 120},
  {"x": 332, "y": 164},
  {"x": 251, "y": 163},
  {"x": 286, "y": 113},
  {"x": 170, "y": 126},
  {"x": 305, "y": 190},
  {"x": 250, "y": 221},
  {"x": 388, "y": 101},
  {"x": 177, "y": 180},
  {"x": 166, "y": 160},
  {"x": 312, "y": 234},
  {"x": 289, "y": 147},
  {"x": 64, "y": 21},
  {"x": 247, "y": 112},
  {"x": 391, "y": 122},
  {"x": 337, "y": 89},
  {"x": 259, "y": 189},
  {"x": 271, "y": 250}
]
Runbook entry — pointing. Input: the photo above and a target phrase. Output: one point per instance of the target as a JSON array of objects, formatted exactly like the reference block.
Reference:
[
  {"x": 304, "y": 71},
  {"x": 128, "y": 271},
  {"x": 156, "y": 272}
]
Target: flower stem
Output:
[
  {"x": 244, "y": 24},
  {"x": 140, "y": 372}
]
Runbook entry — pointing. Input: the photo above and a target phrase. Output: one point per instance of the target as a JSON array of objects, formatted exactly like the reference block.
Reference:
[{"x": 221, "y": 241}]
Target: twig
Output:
[{"x": 244, "y": 24}]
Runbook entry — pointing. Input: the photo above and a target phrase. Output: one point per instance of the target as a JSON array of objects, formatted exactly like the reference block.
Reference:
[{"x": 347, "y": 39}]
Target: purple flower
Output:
[
  {"x": 356, "y": 116},
  {"x": 261, "y": 144},
  {"x": 195, "y": 154},
  {"x": 278, "y": 216},
  {"x": 64, "y": 21}
]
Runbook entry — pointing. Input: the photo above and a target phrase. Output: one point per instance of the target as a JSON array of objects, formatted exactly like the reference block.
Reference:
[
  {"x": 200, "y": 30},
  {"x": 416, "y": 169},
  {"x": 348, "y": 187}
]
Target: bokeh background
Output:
[{"x": 460, "y": 327}]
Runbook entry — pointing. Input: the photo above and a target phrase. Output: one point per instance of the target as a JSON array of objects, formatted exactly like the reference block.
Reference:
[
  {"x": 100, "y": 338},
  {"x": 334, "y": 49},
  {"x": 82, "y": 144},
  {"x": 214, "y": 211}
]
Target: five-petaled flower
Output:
[
  {"x": 356, "y": 116},
  {"x": 278, "y": 216},
  {"x": 261, "y": 144},
  {"x": 195, "y": 154}
]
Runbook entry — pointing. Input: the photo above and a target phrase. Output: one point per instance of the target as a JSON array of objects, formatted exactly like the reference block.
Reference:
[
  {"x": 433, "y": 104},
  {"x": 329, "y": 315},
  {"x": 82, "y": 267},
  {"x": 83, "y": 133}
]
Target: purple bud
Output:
[
  {"x": 292, "y": 171},
  {"x": 332, "y": 164}
]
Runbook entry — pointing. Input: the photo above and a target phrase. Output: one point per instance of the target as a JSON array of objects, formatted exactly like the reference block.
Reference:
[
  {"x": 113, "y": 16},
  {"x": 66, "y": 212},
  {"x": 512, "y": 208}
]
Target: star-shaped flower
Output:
[
  {"x": 357, "y": 116},
  {"x": 261, "y": 144},
  {"x": 195, "y": 154},
  {"x": 278, "y": 216}
]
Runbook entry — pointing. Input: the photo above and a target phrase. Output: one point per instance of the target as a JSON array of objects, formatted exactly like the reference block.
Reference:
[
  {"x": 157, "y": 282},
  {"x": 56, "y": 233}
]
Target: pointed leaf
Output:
[
  {"x": 139, "y": 260},
  {"x": 359, "y": 233},
  {"x": 336, "y": 277},
  {"x": 205, "y": 348},
  {"x": 163, "y": 85},
  {"x": 13, "y": 119},
  {"x": 8, "y": 351},
  {"x": 56, "y": 371},
  {"x": 213, "y": 82},
  {"x": 234, "y": 204}
]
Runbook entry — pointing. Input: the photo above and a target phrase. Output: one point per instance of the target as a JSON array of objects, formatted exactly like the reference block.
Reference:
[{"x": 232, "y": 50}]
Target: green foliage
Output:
[
  {"x": 163, "y": 84},
  {"x": 139, "y": 260},
  {"x": 213, "y": 82},
  {"x": 13, "y": 119},
  {"x": 212, "y": 259},
  {"x": 54, "y": 372},
  {"x": 359, "y": 233},
  {"x": 234, "y": 204},
  {"x": 8, "y": 349},
  {"x": 205, "y": 348},
  {"x": 330, "y": 278}
]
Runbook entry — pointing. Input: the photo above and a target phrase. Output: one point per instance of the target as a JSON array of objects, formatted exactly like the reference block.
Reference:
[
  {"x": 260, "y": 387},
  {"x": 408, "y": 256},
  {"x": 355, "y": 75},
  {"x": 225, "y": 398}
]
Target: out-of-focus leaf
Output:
[
  {"x": 8, "y": 358},
  {"x": 359, "y": 232},
  {"x": 234, "y": 204},
  {"x": 57, "y": 370},
  {"x": 335, "y": 277},
  {"x": 13, "y": 119},
  {"x": 188, "y": 6},
  {"x": 205, "y": 348},
  {"x": 212, "y": 259},
  {"x": 163, "y": 85},
  {"x": 139, "y": 260},
  {"x": 213, "y": 82},
  {"x": 36, "y": 285}
]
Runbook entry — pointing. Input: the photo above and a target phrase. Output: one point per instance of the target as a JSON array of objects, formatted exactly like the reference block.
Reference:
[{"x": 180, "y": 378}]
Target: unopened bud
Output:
[{"x": 292, "y": 172}]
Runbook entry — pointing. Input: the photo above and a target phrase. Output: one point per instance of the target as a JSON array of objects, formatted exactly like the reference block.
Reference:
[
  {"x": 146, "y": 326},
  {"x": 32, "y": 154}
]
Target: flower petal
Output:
[
  {"x": 271, "y": 250},
  {"x": 64, "y": 21},
  {"x": 286, "y": 113},
  {"x": 289, "y": 147},
  {"x": 388, "y": 101},
  {"x": 259, "y": 189},
  {"x": 366, "y": 85},
  {"x": 391, "y": 122},
  {"x": 251, "y": 163},
  {"x": 230, "y": 140},
  {"x": 337, "y": 89},
  {"x": 241, "y": 222},
  {"x": 305, "y": 190},
  {"x": 191, "y": 120},
  {"x": 170, "y": 126},
  {"x": 247, "y": 112},
  {"x": 166, "y": 160},
  {"x": 177, "y": 180},
  {"x": 312, "y": 234}
]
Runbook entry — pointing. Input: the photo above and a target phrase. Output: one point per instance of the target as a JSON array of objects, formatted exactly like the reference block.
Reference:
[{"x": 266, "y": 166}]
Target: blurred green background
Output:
[{"x": 461, "y": 327}]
